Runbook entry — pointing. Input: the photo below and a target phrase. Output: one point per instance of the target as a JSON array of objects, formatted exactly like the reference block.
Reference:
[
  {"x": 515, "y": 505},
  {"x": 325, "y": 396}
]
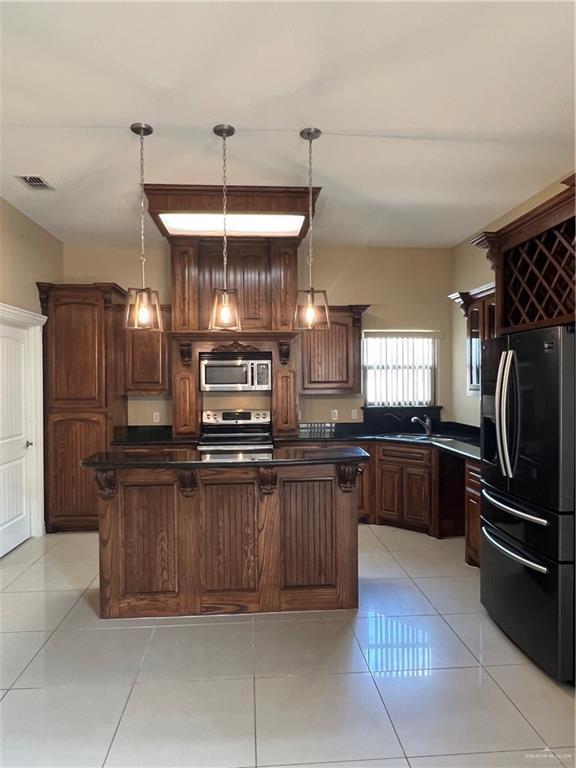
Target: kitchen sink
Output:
[{"x": 415, "y": 438}]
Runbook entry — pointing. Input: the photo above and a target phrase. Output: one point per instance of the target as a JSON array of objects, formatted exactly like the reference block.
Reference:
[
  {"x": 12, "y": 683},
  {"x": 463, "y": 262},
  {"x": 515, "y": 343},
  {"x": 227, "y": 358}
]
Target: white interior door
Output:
[{"x": 15, "y": 507}]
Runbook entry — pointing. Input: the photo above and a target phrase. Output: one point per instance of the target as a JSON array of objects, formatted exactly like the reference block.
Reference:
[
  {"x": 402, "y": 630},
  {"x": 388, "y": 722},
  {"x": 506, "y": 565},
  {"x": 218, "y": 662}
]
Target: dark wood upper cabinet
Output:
[
  {"x": 331, "y": 359},
  {"x": 147, "y": 356},
  {"x": 479, "y": 309},
  {"x": 264, "y": 272},
  {"x": 534, "y": 260}
]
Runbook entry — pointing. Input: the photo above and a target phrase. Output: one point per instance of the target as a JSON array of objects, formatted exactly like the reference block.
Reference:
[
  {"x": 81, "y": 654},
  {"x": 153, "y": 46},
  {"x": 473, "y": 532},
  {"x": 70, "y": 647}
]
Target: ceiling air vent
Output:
[{"x": 35, "y": 182}]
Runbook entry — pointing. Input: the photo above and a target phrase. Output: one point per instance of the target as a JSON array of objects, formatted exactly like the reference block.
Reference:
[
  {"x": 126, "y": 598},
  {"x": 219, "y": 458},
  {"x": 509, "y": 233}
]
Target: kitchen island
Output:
[{"x": 180, "y": 535}]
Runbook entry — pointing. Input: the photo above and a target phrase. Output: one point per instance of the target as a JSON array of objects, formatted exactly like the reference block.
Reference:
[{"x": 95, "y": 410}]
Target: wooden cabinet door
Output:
[
  {"x": 389, "y": 492},
  {"x": 71, "y": 491},
  {"x": 472, "y": 513},
  {"x": 416, "y": 483},
  {"x": 284, "y": 403},
  {"x": 251, "y": 268},
  {"x": 210, "y": 276},
  {"x": 283, "y": 283},
  {"x": 248, "y": 273},
  {"x": 147, "y": 359},
  {"x": 331, "y": 359},
  {"x": 75, "y": 375}
]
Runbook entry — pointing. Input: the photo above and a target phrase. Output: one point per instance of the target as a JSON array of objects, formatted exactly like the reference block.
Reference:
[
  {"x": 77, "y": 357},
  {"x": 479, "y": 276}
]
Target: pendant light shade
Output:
[
  {"x": 312, "y": 312},
  {"x": 143, "y": 305},
  {"x": 143, "y": 311},
  {"x": 225, "y": 315}
]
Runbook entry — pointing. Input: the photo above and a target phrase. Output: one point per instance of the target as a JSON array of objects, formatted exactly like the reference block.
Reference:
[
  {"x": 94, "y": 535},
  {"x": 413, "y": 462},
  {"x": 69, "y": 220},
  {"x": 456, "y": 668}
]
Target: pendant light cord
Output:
[
  {"x": 224, "y": 210},
  {"x": 142, "y": 213},
  {"x": 310, "y": 251}
]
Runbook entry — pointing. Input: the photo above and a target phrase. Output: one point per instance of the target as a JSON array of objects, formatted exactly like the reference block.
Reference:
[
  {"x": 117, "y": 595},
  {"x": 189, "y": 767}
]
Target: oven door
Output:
[
  {"x": 232, "y": 375},
  {"x": 531, "y": 598}
]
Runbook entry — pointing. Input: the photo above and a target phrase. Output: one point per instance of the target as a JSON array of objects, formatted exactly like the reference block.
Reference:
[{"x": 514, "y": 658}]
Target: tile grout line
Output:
[
  {"x": 50, "y": 636},
  {"x": 483, "y": 667},
  {"x": 380, "y": 696},
  {"x": 129, "y": 696},
  {"x": 254, "y": 691}
]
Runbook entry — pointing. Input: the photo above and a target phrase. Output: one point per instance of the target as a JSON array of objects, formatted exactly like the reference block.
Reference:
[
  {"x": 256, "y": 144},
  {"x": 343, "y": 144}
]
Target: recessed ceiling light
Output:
[{"x": 237, "y": 224}]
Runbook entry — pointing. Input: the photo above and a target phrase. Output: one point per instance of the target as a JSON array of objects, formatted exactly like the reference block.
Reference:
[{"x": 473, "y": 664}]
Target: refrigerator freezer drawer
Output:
[
  {"x": 549, "y": 533},
  {"x": 531, "y": 598}
]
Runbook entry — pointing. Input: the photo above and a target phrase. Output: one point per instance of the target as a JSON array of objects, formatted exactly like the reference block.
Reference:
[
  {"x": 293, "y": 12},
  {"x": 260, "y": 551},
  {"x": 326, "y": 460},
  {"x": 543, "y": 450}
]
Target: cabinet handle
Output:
[{"x": 28, "y": 444}]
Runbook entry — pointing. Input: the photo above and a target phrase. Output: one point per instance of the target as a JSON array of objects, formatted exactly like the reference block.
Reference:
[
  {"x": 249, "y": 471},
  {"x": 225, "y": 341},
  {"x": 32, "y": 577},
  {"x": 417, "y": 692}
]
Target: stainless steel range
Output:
[{"x": 243, "y": 435}]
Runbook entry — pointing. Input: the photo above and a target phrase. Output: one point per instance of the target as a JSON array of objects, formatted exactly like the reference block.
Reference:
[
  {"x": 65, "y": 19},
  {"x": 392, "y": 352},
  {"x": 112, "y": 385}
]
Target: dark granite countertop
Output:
[
  {"x": 451, "y": 440},
  {"x": 191, "y": 459}
]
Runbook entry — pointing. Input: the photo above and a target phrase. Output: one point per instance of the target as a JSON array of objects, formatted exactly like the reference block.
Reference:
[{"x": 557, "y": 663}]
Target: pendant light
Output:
[
  {"x": 143, "y": 306},
  {"x": 224, "y": 315},
  {"x": 311, "y": 305}
]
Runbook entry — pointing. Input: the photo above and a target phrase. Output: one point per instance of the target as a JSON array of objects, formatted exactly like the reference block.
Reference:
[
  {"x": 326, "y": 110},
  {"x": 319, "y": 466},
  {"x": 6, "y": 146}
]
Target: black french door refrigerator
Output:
[{"x": 527, "y": 519}]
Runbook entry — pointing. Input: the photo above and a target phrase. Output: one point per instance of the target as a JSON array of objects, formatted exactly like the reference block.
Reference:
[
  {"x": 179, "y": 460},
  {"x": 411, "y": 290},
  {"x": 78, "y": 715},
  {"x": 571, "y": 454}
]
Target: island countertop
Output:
[{"x": 191, "y": 458}]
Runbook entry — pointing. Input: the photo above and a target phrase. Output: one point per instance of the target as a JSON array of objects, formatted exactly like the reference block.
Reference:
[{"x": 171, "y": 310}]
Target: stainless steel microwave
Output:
[{"x": 235, "y": 374}]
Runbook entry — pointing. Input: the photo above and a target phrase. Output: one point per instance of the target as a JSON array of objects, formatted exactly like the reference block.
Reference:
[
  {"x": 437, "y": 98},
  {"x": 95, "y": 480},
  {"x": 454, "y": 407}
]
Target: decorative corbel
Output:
[
  {"x": 268, "y": 479},
  {"x": 187, "y": 482},
  {"x": 347, "y": 474},
  {"x": 357, "y": 312},
  {"x": 185, "y": 352},
  {"x": 106, "y": 482},
  {"x": 284, "y": 351}
]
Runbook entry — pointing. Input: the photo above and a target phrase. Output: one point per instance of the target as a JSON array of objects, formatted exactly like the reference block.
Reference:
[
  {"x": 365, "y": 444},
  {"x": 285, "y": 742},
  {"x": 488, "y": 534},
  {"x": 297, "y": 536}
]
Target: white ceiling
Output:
[{"x": 438, "y": 117}]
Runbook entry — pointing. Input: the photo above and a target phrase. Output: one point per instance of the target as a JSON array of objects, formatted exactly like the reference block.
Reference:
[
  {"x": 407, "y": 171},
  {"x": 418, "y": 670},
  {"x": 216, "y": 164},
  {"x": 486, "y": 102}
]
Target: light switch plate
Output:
[
  {"x": 354, "y": 414},
  {"x": 334, "y": 414}
]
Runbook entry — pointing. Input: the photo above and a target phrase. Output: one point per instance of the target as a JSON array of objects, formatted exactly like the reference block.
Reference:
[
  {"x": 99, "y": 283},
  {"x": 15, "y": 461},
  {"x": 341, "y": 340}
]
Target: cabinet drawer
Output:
[
  {"x": 472, "y": 478},
  {"x": 405, "y": 454}
]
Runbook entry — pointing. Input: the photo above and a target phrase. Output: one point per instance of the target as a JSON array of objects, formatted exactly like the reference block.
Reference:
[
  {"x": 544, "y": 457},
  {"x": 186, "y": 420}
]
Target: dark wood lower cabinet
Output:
[
  {"x": 71, "y": 499},
  {"x": 404, "y": 486},
  {"x": 389, "y": 492},
  {"x": 417, "y": 505},
  {"x": 472, "y": 504}
]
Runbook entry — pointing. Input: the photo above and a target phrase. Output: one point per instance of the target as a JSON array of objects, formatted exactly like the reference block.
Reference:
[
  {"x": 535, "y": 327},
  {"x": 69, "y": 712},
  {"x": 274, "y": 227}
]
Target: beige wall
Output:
[
  {"x": 406, "y": 289},
  {"x": 28, "y": 254},
  {"x": 92, "y": 262},
  {"x": 470, "y": 269}
]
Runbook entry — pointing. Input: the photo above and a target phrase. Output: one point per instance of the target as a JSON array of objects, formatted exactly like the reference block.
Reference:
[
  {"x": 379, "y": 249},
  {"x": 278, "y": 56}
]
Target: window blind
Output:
[{"x": 399, "y": 368}]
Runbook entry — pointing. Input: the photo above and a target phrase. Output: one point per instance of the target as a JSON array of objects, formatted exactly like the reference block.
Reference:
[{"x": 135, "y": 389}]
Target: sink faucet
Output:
[{"x": 427, "y": 423}]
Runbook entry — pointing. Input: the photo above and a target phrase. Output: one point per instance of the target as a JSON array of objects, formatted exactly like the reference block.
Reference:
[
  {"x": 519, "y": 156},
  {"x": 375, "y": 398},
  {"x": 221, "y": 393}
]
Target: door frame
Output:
[{"x": 32, "y": 323}]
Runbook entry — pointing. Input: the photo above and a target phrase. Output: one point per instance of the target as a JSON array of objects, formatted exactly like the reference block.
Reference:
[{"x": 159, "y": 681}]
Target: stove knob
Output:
[{"x": 257, "y": 415}]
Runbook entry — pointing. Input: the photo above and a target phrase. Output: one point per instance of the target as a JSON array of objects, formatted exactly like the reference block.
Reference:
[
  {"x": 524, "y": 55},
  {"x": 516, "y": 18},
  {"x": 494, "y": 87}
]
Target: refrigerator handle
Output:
[
  {"x": 512, "y": 511},
  {"x": 504, "y": 395},
  {"x": 513, "y": 556},
  {"x": 498, "y": 407}
]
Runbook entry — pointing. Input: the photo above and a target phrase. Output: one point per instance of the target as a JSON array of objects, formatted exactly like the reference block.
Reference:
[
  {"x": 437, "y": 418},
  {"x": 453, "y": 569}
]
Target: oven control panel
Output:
[{"x": 236, "y": 417}]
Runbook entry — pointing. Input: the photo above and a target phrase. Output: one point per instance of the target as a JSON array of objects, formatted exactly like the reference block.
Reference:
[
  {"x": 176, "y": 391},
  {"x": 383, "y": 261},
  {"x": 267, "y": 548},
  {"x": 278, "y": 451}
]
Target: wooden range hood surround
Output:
[
  {"x": 263, "y": 270},
  {"x": 202, "y": 198}
]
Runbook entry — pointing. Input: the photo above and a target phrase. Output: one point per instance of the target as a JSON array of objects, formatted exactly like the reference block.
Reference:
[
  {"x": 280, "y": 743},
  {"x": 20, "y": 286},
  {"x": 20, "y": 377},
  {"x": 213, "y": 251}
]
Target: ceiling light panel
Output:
[{"x": 237, "y": 224}]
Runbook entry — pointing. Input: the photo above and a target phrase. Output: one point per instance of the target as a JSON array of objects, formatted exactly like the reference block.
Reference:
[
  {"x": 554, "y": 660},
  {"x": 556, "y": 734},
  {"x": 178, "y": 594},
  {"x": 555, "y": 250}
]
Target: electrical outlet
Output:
[
  {"x": 334, "y": 414},
  {"x": 156, "y": 417},
  {"x": 354, "y": 414}
]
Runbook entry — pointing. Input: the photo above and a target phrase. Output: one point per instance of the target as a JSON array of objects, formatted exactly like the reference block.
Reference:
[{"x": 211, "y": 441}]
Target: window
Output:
[{"x": 399, "y": 367}]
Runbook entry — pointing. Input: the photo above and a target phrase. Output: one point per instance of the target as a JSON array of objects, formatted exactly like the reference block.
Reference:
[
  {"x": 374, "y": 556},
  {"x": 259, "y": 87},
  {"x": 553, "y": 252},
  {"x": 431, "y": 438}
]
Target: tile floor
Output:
[{"x": 418, "y": 677}]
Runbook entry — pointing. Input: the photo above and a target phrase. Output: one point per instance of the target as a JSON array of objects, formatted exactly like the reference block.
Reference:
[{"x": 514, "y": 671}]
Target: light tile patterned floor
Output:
[{"x": 418, "y": 677}]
